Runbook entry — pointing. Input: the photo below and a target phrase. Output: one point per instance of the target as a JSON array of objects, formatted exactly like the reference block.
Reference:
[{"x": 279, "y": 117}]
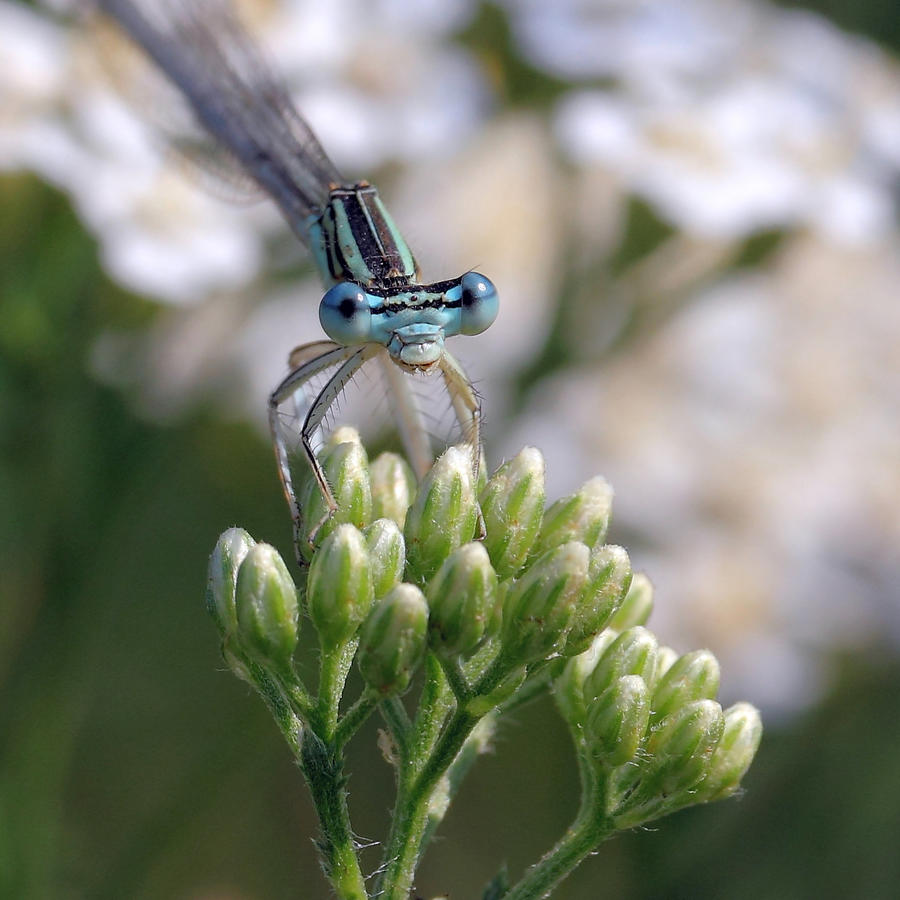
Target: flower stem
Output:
[
  {"x": 349, "y": 723},
  {"x": 411, "y": 813},
  {"x": 590, "y": 828},
  {"x": 572, "y": 848},
  {"x": 333, "y": 670},
  {"x": 323, "y": 768},
  {"x": 397, "y": 720}
]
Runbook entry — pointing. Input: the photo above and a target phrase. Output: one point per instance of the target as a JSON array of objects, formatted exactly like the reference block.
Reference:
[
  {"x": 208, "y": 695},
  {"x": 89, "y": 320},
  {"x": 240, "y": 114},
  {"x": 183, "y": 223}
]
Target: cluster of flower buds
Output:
[
  {"x": 647, "y": 720},
  {"x": 252, "y": 598},
  {"x": 401, "y": 570},
  {"x": 404, "y": 569}
]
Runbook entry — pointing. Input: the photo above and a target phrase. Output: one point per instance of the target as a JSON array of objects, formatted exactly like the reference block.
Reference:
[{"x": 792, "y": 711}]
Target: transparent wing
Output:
[
  {"x": 415, "y": 414},
  {"x": 331, "y": 388},
  {"x": 234, "y": 96}
]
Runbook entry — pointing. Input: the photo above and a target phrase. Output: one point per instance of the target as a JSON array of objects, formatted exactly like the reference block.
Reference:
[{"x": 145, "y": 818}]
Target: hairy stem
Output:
[{"x": 323, "y": 768}]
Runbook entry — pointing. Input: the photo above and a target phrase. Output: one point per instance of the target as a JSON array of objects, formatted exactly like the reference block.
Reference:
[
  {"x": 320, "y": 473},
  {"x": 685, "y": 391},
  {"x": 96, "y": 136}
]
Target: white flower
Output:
[{"x": 729, "y": 117}]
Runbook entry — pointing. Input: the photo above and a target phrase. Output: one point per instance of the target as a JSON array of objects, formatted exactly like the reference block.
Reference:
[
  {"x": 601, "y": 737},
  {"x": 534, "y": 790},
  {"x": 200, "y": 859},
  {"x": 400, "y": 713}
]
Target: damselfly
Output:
[{"x": 375, "y": 307}]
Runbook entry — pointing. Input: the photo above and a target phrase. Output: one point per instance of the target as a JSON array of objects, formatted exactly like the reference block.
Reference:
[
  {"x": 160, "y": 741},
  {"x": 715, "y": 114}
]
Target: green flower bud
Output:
[
  {"x": 387, "y": 554},
  {"x": 512, "y": 504},
  {"x": 339, "y": 592},
  {"x": 267, "y": 610},
  {"x": 637, "y": 605},
  {"x": 583, "y": 516},
  {"x": 347, "y": 470},
  {"x": 231, "y": 548},
  {"x": 694, "y": 676},
  {"x": 633, "y": 652},
  {"x": 568, "y": 689},
  {"x": 538, "y": 607},
  {"x": 393, "y": 487},
  {"x": 739, "y": 743},
  {"x": 343, "y": 434},
  {"x": 443, "y": 514},
  {"x": 617, "y": 720},
  {"x": 666, "y": 657},
  {"x": 392, "y": 642},
  {"x": 609, "y": 576},
  {"x": 682, "y": 748},
  {"x": 462, "y": 598}
]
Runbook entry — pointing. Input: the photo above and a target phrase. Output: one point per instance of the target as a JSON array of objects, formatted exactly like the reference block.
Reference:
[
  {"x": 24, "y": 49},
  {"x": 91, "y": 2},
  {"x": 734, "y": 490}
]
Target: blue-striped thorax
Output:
[{"x": 373, "y": 295}]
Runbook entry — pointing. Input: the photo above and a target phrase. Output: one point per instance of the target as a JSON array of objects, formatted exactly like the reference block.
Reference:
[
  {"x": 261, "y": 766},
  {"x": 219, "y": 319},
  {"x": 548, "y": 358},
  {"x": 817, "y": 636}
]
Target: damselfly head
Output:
[{"x": 410, "y": 320}]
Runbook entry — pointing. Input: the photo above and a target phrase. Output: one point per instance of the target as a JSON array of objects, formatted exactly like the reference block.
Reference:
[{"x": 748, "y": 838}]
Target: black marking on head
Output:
[{"x": 430, "y": 303}]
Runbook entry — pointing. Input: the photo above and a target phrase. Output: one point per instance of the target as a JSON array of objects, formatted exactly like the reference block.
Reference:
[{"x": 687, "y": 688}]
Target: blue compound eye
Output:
[
  {"x": 479, "y": 303},
  {"x": 345, "y": 315}
]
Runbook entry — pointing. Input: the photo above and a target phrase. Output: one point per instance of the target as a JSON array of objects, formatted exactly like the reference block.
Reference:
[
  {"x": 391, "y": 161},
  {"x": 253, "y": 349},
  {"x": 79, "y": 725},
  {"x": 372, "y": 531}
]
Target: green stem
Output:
[
  {"x": 577, "y": 843},
  {"x": 323, "y": 768},
  {"x": 395, "y": 716},
  {"x": 590, "y": 828},
  {"x": 411, "y": 812},
  {"x": 333, "y": 670},
  {"x": 296, "y": 695},
  {"x": 418, "y": 741},
  {"x": 349, "y": 723},
  {"x": 457, "y": 680},
  {"x": 434, "y": 707},
  {"x": 476, "y": 744}
]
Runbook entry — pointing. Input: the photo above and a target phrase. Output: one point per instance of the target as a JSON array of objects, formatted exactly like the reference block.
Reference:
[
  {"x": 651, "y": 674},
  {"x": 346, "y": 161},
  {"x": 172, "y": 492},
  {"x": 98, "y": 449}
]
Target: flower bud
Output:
[
  {"x": 392, "y": 641},
  {"x": 512, "y": 504},
  {"x": 266, "y": 605},
  {"x": 609, "y": 576},
  {"x": 583, "y": 516},
  {"x": 443, "y": 514},
  {"x": 617, "y": 720},
  {"x": 228, "y": 554},
  {"x": 665, "y": 659},
  {"x": 694, "y": 676},
  {"x": 339, "y": 592},
  {"x": 346, "y": 467},
  {"x": 393, "y": 487},
  {"x": 633, "y": 652},
  {"x": 683, "y": 747},
  {"x": 538, "y": 607},
  {"x": 387, "y": 554},
  {"x": 568, "y": 690},
  {"x": 637, "y": 605},
  {"x": 739, "y": 743},
  {"x": 462, "y": 597}
]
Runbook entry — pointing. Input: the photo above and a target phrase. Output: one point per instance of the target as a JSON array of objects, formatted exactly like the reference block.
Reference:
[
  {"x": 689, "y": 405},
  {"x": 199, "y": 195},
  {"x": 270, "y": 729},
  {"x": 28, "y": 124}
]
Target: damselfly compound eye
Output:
[
  {"x": 480, "y": 303},
  {"x": 345, "y": 315}
]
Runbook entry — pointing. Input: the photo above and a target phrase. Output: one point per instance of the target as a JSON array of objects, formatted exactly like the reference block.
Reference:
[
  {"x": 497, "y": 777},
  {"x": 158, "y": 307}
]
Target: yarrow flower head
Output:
[{"x": 502, "y": 598}]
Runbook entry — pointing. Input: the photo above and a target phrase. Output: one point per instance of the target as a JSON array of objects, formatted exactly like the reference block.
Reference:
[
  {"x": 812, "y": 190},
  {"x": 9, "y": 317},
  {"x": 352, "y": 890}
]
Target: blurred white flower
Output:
[{"x": 729, "y": 117}]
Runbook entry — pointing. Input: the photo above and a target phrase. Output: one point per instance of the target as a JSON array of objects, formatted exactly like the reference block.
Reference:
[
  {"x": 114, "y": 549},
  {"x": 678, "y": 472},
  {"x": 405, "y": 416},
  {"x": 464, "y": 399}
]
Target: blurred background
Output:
[{"x": 690, "y": 211}]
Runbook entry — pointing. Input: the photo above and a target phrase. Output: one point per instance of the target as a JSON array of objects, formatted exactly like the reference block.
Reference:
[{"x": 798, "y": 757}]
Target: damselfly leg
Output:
[{"x": 313, "y": 391}]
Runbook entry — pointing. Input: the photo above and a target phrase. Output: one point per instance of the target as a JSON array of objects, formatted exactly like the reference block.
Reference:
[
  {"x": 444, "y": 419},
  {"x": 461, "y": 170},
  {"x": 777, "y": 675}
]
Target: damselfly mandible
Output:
[{"x": 375, "y": 307}]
